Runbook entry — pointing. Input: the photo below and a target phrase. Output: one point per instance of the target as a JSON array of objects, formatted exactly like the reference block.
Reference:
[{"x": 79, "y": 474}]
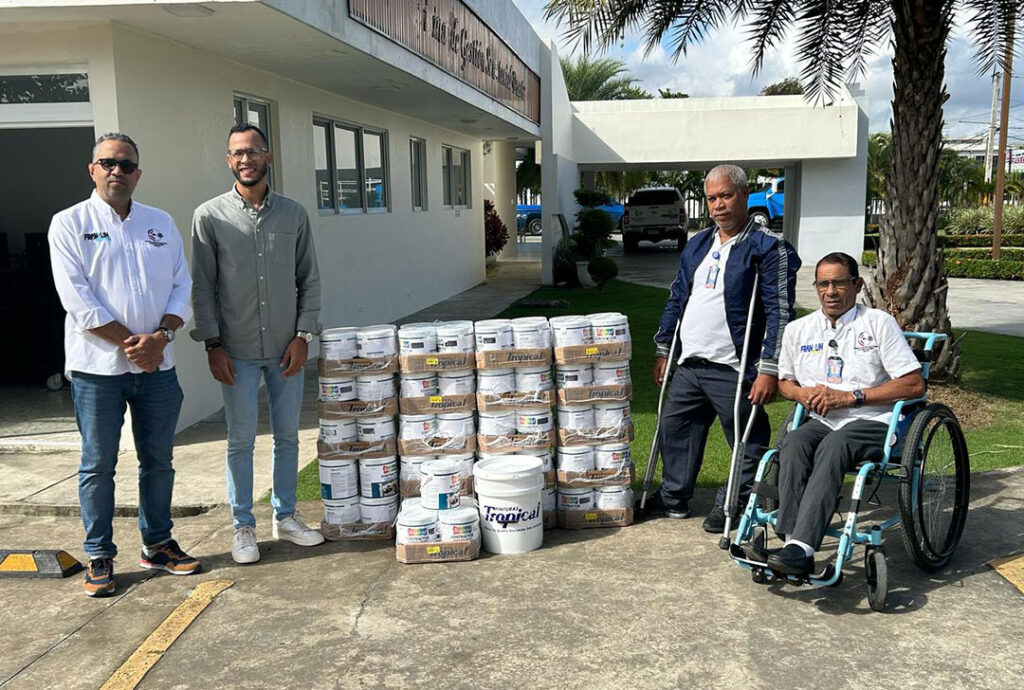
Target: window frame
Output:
[
  {"x": 448, "y": 153},
  {"x": 332, "y": 124},
  {"x": 418, "y": 177}
]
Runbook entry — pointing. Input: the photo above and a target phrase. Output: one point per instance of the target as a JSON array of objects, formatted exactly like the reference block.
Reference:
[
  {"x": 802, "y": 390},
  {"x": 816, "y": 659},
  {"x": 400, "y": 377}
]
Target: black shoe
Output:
[
  {"x": 791, "y": 560},
  {"x": 656, "y": 506},
  {"x": 715, "y": 521},
  {"x": 756, "y": 549}
]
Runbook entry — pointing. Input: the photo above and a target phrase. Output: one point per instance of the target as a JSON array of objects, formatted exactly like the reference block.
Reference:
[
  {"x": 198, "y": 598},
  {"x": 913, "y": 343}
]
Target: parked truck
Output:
[{"x": 767, "y": 205}]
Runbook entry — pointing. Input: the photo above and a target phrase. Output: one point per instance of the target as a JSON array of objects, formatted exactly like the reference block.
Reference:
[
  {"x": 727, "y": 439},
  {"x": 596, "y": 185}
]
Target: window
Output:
[
  {"x": 455, "y": 177},
  {"x": 351, "y": 168},
  {"x": 72, "y": 87},
  {"x": 44, "y": 96},
  {"x": 418, "y": 173},
  {"x": 255, "y": 112}
]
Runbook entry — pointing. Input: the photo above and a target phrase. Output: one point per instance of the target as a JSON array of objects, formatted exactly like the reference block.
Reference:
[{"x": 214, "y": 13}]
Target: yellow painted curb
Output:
[
  {"x": 1011, "y": 568},
  {"x": 160, "y": 640}
]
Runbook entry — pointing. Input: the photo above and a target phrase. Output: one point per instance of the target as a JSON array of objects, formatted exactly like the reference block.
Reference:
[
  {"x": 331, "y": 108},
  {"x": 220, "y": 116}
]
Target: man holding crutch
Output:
[{"x": 710, "y": 307}]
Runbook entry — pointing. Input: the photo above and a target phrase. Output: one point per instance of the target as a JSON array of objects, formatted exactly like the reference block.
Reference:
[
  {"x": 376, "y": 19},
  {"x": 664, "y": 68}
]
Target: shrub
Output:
[
  {"x": 589, "y": 198},
  {"x": 1013, "y": 219},
  {"x": 565, "y": 261},
  {"x": 495, "y": 232},
  {"x": 1009, "y": 240},
  {"x": 593, "y": 229},
  {"x": 984, "y": 253},
  {"x": 1004, "y": 269},
  {"x": 970, "y": 221},
  {"x": 602, "y": 269}
]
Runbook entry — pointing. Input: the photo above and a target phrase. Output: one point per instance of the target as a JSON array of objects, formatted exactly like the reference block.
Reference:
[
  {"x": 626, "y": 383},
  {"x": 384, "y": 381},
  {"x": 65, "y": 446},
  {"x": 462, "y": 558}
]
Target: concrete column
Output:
[
  {"x": 500, "y": 187},
  {"x": 588, "y": 179},
  {"x": 791, "y": 208}
]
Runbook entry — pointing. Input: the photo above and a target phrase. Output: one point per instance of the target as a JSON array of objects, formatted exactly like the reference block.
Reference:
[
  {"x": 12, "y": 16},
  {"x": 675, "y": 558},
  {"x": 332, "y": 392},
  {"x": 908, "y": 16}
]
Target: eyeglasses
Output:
[
  {"x": 239, "y": 154},
  {"x": 108, "y": 164},
  {"x": 838, "y": 284}
]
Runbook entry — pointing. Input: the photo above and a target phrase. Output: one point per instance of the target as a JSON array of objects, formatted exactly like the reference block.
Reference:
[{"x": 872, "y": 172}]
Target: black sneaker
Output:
[
  {"x": 99, "y": 577},
  {"x": 656, "y": 506},
  {"x": 715, "y": 521}
]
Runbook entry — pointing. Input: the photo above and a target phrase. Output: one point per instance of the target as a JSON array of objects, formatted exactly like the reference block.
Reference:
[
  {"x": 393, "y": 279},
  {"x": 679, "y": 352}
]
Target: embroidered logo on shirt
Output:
[
  {"x": 155, "y": 238},
  {"x": 865, "y": 342},
  {"x": 96, "y": 236},
  {"x": 815, "y": 348}
]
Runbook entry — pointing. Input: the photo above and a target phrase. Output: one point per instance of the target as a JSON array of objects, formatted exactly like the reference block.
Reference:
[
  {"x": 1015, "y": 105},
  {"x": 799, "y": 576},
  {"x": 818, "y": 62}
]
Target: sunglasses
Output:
[{"x": 127, "y": 166}]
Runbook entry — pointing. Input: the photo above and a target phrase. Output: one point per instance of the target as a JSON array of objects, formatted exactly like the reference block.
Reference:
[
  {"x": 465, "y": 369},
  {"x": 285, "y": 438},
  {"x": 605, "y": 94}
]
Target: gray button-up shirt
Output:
[{"x": 254, "y": 274}]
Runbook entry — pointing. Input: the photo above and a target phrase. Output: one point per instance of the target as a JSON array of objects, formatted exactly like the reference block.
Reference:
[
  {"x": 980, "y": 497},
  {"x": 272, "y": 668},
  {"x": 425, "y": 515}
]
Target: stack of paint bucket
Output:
[
  {"x": 357, "y": 445},
  {"x": 595, "y": 466}
]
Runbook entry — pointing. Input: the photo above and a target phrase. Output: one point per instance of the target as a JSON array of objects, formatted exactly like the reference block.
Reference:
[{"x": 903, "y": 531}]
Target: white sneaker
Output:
[
  {"x": 292, "y": 529},
  {"x": 244, "y": 548}
]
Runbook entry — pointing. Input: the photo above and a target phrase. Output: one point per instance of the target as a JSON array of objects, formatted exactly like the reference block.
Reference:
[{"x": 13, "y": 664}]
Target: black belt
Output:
[{"x": 698, "y": 362}]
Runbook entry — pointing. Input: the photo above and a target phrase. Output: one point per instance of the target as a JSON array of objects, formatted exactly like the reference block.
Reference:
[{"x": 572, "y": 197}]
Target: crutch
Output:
[
  {"x": 739, "y": 444},
  {"x": 652, "y": 459}
]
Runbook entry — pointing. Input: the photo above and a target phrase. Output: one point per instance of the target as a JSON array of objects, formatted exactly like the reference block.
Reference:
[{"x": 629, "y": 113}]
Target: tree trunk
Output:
[{"x": 910, "y": 280}]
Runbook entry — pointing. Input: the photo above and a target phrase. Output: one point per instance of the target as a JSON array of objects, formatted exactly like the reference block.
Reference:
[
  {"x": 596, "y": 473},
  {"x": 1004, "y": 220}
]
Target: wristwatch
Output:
[
  {"x": 305, "y": 335},
  {"x": 858, "y": 397},
  {"x": 168, "y": 333}
]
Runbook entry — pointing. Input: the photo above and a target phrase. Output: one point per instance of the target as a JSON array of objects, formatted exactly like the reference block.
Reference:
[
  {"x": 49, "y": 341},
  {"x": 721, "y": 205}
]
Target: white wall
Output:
[{"x": 559, "y": 172}]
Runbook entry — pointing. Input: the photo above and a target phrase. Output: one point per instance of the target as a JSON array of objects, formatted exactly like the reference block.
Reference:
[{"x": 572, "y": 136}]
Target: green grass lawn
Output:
[{"x": 993, "y": 367}]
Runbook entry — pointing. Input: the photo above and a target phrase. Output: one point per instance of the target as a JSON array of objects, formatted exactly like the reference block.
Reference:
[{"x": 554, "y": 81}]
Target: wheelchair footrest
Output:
[{"x": 736, "y": 552}]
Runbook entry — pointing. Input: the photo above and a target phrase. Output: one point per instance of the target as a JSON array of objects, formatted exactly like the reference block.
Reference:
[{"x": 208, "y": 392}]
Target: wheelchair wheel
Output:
[
  {"x": 876, "y": 572},
  {"x": 934, "y": 488}
]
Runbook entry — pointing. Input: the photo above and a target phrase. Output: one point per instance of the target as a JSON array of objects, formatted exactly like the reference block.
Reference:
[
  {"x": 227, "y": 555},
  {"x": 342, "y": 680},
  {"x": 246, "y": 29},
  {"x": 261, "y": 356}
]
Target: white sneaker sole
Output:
[
  {"x": 245, "y": 559},
  {"x": 313, "y": 539}
]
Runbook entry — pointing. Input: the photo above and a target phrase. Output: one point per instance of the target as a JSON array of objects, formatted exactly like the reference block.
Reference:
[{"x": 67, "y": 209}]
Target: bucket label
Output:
[{"x": 506, "y": 516}]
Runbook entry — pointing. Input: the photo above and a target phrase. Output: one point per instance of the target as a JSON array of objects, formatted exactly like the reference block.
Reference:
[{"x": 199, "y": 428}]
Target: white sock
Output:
[{"x": 808, "y": 551}]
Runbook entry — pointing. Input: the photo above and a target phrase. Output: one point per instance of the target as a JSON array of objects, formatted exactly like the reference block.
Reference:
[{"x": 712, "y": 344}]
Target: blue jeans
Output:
[
  {"x": 100, "y": 402},
  {"x": 241, "y": 408}
]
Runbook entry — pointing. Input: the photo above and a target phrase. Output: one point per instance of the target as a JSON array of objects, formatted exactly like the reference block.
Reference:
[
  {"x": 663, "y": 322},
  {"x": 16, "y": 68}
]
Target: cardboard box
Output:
[
  {"x": 595, "y": 478},
  {"x": 331, "y": 409},
  {"x": 550, "y": 519},
  {"x": 409, "y": 488},
  {"x": 509, "y": 359},
  {"x": 589, "y": 519},
  {"x": 516, "y": 442},
  {"x": 437, "y": 403},
  {"x": 588, "y": 395},
  {"x": 437, "y": 446},
  {"x": 550, "y": 479},
  {"x": 355, "y": 450},
  {"x": 595, "y": 437},
  {"x": 588, "y": 354},
  {"x": 508, "y": 401},
  {"x": 359, "y": 365},
  {"x": 438, "y": 551},
  {"x": 358, "y": 531},
  {"x": 448, "y": 361}
]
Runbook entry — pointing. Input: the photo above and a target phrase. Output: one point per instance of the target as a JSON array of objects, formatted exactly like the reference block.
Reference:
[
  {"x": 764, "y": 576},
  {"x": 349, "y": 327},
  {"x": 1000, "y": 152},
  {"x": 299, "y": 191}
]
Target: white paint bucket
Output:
[
  {"x": 613, "y": 497},
  {"x": 493, "y": 334},
  {"x": 575, "y": 499},
  {"x": 611, "y": 415},
  {"x": 574, "y": 375},
  {"x": 495, "y": 381},
  {"x": 510, "y": 491},
  {"x": 416, "y": 526},
  {"x": 337, "y": 389},
  {"x": 378, "y": 477},
  {"x": 456, "y": 424},
  {"x": 534, "y": 420},
  {"x": 576, "y": 458},
  {"x": 610, "y": 327},
  {"x": 417, "y": 339},
  {"x": 418, "y": 385},
  {"x": 439, "y": 484},
  {"x": 376, "y": 428},
  {"x": 375, "y": 387},
  {"x": 376, "y": 341},
  {"x": 410, "y": 503},
  {"x": 545, "y": 458},
  {"x": 466, "y": 462},
  {"x": 338, "y": 431},
  {"x": 534, "y": 379},
  {"x": 497, "y": 423},
  {"x": 570, "y": 330},
  {"x": 454, "y": 336},
  {"x": 612, "y": 456},
  {"x": 378, "y": 509},
  {"x": 338, "y": 479},
  {"x": 531, "y": 332},
  {"x": 342, "y": 511},
  {"x": 409, "y": 465},
  {"x": 338, "y": 343},
  {"x": 611, "y": 374},
  {"x": 416, "y": 427},
  {"x": 576, "y": 417},
  {"x": 460, "y": 524},
  {"x": 456, "y": 383},
  {"x": 550, "y": 499}
]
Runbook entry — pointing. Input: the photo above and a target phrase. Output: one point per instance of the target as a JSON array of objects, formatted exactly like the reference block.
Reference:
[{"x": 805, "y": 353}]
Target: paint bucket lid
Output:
[
  {"x": 455, "y": 416},
  {"x": 612, "y": 489},
  {"x": 418, "y": 377},
  {"x": 384, "y": 419},
  {"x": 333, "y": 334},
  {"x": 413, "y": 418},
  {"x": 376, "y": 331},
  {"x": 416, "y": 330},
  {"x": 454, "y": 327},
  {"x": 608, "y": 318},
  {"x": 532, "y": 370},
  {"x": 611, "y": 406},
  {"x": 387, "y": 460},
  {"x": 573, "y": 321},
  {"x": 492, "y": 325},
  {"x": 612, "y": 447},
  {"x": 440, "y": 466},
  {"x": 575, "y": 408},
  {"x": 530, "y": 323},
  {"x": 496, "y": 414},
  {"x": 611, "y": 365},
  {"x": 374, "y": 378},
  {"x": 508, "y": 467},
  {"x": 378, "y": 501},
  {"x": 572, "y": 491},
  {"x": 462, "y": 374},
  {"x": 416, "y": 516},
  {"x": 495, "y": 373},
  {"x": 531, "y": 411},
  {"x": 458, "y": 516}
]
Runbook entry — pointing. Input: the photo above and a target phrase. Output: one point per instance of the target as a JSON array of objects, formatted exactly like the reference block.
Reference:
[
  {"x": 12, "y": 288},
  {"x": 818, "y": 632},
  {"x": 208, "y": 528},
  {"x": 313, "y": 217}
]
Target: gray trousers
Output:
[
  {"x": 812, "y": 462},
  {"x": 700, "y": 391}
]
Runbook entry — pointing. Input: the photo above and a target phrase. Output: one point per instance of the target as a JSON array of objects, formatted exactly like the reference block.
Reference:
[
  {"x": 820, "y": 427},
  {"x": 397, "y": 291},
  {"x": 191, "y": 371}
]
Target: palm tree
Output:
[
  {"x": 835, "y": 39},
  {"x": 604, "y": 79}
]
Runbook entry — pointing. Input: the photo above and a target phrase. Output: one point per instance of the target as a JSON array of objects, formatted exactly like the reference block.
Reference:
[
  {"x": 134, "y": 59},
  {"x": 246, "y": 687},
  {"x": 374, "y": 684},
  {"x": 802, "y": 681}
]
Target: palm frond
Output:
[
  {"x": 769, "y": 21},
  {"x": 684, "y": 22},
  {"x": 991, "y": 23},
  {"x": 867, "y": 23},
  {"x": 591, "y": 24},
  {"x": 821, "y": 50}
]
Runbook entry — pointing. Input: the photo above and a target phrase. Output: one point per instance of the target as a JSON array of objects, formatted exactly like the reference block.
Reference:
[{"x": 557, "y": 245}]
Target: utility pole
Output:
[
  {"x": 1004, "y": 119},
  {"x": 989, "y": 142}
]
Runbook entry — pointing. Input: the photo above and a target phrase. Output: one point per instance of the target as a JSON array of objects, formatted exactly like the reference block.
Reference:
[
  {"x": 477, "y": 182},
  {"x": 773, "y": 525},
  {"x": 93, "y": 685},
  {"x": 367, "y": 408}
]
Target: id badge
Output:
[
  {"x": 834, "y": 370},
  {"x": 712, "y": 278}
]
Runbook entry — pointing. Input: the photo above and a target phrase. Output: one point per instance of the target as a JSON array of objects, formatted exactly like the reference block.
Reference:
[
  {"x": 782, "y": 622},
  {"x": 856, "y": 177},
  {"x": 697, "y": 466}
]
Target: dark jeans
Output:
[
  {"x": 812, "y": 462},
  {"x": 698, "y": 392},
  {"x": 100, "y": 402}
]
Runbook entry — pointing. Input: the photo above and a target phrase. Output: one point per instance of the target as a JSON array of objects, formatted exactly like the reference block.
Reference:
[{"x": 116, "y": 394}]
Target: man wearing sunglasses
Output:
[
  {"x": 120, "y": 270},
  {"x": 846, "y": 364},
  {"x": 257, "y": 300}
]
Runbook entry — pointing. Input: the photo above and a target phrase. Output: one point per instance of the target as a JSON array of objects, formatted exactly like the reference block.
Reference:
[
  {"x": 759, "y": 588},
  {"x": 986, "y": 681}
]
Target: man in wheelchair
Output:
[{"x": 846, "y": 364}]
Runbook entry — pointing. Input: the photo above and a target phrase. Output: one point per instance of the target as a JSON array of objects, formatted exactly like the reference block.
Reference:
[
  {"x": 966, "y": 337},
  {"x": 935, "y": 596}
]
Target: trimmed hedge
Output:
[{"x": 970, "y": 267}]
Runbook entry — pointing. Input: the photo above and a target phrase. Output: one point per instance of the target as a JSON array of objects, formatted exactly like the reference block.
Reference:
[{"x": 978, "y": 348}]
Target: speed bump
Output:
[{"x": 37, "y": 563}]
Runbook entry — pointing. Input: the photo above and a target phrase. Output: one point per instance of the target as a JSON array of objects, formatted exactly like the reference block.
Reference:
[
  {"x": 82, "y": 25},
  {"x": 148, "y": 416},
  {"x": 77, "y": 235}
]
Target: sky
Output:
[{"x": 721, "y": 67}]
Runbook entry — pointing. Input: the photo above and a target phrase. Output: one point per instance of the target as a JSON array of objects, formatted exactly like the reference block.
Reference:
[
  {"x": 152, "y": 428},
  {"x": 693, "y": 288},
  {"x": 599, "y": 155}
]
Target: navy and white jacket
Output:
[{"x": 756, "y": 249}]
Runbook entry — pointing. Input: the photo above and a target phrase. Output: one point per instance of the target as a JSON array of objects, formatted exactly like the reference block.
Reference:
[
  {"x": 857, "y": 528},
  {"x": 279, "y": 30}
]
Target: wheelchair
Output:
[{"x": 926, "y": 456}]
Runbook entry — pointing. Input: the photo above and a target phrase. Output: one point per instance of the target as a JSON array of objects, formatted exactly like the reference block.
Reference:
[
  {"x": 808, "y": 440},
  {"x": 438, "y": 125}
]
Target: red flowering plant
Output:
[{"x": 495, "y": 232}]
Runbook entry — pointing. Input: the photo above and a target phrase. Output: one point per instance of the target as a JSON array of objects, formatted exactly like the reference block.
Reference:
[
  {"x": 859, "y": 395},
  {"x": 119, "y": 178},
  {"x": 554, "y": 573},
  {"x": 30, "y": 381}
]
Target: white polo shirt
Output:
[
  {"x": 704, "y": 331},
  {"x": 106, "y": 269},
  {"x": 871, "y": 346}
]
